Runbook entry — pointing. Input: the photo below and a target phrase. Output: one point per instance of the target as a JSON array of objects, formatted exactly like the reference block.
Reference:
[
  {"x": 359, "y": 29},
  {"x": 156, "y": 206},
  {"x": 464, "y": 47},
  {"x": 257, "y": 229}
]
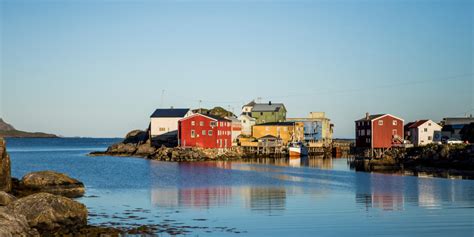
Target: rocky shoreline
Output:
[
  {"x": 41, "y": 204},
  {"x": 137, "y": 144},
  {"x": 444, "y": 161}
]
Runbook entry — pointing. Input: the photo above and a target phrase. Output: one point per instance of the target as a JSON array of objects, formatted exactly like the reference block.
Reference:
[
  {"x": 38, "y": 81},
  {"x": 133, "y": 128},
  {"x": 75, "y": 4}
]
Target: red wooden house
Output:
[
  {"x": 204, "y": 131},
  {"x": 379, "y": 131}
]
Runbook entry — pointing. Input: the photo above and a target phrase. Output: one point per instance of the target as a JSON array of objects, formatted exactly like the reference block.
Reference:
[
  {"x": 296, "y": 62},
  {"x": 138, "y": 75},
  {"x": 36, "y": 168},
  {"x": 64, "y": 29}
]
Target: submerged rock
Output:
[
  {"x": 6, "y": 198},
  {"x": 50, "y": 182},
  {"x": 50, "y": 213},
  {"x": 5, "y": 175},
  {"x": 12, "y": 224}
]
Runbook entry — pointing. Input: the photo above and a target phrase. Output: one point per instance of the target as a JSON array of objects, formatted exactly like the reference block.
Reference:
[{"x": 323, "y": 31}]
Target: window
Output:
[
  {"x": 380, "y": 122},
  {"x": 394, "y": 132},
  {"x": 193, "y": 133},
  {"x": 193, "y": 123},
  {"x": 367, "y": 132},
  {"x": 426, "y": 129},
  {"x": 394, "y": 122},
  {"x": 429, "y": 138},
  {"x": 201, "y": 123},
  {"x": 203, "y": 132},
  {"x": 261, "y": 113},
  {"x": 209, "y": 133},
  {"x": 162, "y": 129},
  {"x": 362, "y": 132},
  {"x": 213, "y": 124},
  {"x": 244, "y": 121},
  {"x": 429, "y": 124}
]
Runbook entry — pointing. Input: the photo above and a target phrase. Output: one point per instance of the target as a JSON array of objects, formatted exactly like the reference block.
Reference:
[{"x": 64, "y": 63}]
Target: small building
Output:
[
  {"x": 247, "y": 109},
  {"x": 205, "y": 131},
  {"x": 422, "y": 132},
  {"x": 265, "y": 112},
  {"x": 236, "y": 127},
  {"x": 247, "y": 123},
  {"x": 317, "y": 128},
  {"x": 164, "y": 122},
  {"x": 452, "y": 126},
  {"x": 286, "y": 131},
  {"x": 379, "y": 131}
]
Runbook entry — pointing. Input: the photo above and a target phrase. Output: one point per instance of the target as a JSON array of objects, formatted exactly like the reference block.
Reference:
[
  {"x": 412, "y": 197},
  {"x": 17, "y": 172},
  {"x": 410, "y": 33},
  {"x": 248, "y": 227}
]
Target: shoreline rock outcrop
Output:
[
  {"x": 5, "y": 172},
  {"x": 49, "y": 182},
  {"x": 137, "y": 144},
  {"x": 50, "y": 213}
]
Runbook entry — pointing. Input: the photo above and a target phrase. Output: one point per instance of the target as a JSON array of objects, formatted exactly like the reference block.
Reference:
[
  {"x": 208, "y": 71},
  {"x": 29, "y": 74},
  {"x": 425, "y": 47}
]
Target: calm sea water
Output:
[{"x": 309, "y": 197}]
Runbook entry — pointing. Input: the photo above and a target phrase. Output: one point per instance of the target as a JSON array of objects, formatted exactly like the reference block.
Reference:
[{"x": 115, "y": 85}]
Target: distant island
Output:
[{"x": 7, "y": 130}]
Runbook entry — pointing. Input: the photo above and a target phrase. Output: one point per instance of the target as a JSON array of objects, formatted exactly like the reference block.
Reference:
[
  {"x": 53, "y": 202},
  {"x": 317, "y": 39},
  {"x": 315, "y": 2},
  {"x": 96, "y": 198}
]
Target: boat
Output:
[{"x": 297, "y": 150}]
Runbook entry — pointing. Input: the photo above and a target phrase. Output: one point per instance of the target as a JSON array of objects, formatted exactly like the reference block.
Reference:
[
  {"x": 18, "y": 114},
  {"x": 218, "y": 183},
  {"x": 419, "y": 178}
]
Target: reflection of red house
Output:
[
  {"x": 204, "y": 131},
  {"x": 379, "y": 131}
]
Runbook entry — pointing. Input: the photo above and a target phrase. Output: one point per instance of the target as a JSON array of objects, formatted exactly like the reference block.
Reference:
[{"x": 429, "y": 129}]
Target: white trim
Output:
[
  {"x": 387, "y": 115},
  {"x": 198, "y": 114}
]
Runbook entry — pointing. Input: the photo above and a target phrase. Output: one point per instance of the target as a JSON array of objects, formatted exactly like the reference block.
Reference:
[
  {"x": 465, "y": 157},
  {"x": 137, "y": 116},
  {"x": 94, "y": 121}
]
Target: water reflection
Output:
[
  {"x": 394, "y": 193},
  {"x": 267, "y": 200}
]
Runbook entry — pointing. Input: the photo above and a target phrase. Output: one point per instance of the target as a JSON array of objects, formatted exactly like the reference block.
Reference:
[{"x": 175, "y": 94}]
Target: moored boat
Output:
[{"x": 297, "y": 149}]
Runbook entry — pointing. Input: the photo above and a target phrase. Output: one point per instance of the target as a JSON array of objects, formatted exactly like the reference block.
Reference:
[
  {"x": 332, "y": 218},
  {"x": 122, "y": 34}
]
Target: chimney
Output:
[
  {"x": 171, "y": 107},
  {"x": 367, "y": 116},
  {"x": 269, "y": 103}
]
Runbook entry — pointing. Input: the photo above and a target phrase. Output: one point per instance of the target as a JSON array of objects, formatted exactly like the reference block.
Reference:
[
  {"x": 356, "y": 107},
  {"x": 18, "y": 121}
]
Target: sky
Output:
[{"x": 100, "y": 68}]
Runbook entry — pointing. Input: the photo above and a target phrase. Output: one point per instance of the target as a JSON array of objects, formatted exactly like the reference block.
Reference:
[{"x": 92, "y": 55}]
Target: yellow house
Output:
[{"x": 287, "y": 131}]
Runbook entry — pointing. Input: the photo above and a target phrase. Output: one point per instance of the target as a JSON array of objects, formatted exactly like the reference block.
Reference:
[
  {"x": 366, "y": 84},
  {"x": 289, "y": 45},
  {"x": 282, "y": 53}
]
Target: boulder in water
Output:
[
  {"x": 50, "y": 182},
  {"x": 50, "y": 213}
]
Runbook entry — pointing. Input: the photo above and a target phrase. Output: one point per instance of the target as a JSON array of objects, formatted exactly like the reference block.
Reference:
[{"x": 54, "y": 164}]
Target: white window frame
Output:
[
  {"x": 380, "y": 122},
  {"x": 193, "y": 133},
  {"x": 394, "y": 122}
]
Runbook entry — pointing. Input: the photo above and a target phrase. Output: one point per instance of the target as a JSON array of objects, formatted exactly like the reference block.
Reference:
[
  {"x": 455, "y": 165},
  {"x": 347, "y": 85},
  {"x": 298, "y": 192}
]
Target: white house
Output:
[
  {"x": 236, "y": 128},
  {"x": 247, "y": 123},
  {"x": 422, "y": 132},
  {"x": 165, "y": 121},
  {"x": 247, "y": 109}
]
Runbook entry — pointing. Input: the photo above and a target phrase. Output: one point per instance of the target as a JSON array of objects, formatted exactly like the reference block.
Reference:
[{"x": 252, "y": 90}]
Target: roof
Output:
[
  {"x": 251, "y": 103},
  {"x": 376, "y": 116},
  {"x": 248, "y": 117},
  {"x": 208, "y": 116},
  {"x": 418, "y": 123},
  {"x": 277, "y": 124},
  {"x": 267, "y": 107},
  {"x": 169, "y": 113},
  {"x": 371, "y": 117},
  {"x": 269, "y": 137},
  {"x": 216, "y": 117}
]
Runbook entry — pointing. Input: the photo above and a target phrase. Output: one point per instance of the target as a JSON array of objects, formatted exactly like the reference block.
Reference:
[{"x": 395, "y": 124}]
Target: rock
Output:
[
  {"x": 6, "y": 198},
  {"x": 122, "y": 149},
  {"x": 14, "y": 225},
  {"x": 136, "y": 137},
  {"x": 50, "y": 182},
  {"x": 5, "y": 175},
  {"x": 145, "y": 150},
  {"x": 50, "y": 213}
]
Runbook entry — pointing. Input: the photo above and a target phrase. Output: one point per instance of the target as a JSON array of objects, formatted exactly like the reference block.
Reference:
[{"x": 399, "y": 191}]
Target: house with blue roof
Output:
[{"x": 164, "y": 122}]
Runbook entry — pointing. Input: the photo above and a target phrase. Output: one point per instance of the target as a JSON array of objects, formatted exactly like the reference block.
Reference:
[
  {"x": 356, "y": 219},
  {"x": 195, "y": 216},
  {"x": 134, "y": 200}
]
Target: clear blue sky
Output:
[{"x": 98, "y": 68}]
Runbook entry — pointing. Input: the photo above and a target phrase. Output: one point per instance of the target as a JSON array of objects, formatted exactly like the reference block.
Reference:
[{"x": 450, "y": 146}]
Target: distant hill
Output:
[
  {"x": 216, "y": 111},
  {"x": 7, "y": 130}
]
